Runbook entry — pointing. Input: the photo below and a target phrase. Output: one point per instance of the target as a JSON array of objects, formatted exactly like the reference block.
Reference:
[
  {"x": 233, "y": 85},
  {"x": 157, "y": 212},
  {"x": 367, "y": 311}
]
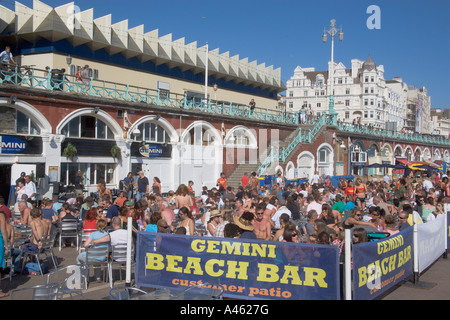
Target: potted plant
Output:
[
  {"x": 70, "y": 151},
  {"x": 116, "y": 152}
]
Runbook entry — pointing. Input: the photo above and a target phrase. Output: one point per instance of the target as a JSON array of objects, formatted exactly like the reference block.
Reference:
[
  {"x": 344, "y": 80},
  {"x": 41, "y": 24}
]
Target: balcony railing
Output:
[
  {"x": 394, "y": 135},
  {"x": 55, "y": 81},
  {"x": 307, "y": 136}
]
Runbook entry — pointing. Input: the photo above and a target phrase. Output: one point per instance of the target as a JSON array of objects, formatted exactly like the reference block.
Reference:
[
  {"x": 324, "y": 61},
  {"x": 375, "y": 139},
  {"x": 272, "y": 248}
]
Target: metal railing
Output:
[
  {"x": 55, "y": 80},
  {"x": 390, "y": 134},
  {"x": 307, "y": 136}
]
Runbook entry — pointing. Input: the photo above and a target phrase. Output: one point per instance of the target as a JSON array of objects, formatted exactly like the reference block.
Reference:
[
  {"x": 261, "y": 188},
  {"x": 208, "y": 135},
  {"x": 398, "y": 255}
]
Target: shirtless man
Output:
[
  {"x": 239, "y": 204},
  {"x": 167, "y": 214},
  {"x": 25, "y": 217},
  {"x": 254, "y": 182},
  {"x": 39, "y": 226},
  {"x": 263, "y": 228}
]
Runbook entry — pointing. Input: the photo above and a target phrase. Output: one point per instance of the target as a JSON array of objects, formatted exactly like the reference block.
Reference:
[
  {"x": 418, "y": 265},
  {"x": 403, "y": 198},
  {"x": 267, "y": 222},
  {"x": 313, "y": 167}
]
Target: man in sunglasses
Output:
[
  {"x": 263, "y": 227},
  {"x": 403, "y": 220}
]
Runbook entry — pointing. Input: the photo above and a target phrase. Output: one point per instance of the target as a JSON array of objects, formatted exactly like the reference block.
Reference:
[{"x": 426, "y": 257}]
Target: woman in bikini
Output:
[{"x": 360, "y": 192}]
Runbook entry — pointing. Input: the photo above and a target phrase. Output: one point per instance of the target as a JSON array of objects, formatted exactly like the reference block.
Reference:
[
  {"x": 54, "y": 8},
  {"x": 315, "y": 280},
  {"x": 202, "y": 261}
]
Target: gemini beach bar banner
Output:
[
  {"x": 377, "y": 266},
  {"x": 246, "y": 269}
]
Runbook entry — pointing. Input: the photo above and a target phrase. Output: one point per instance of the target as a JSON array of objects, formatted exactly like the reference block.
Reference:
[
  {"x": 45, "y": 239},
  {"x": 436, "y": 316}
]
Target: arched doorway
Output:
[
  {"x": 358, "y": 158},
  {"x": 325, "y": 160},
  {"x": 305, "y": 165}
]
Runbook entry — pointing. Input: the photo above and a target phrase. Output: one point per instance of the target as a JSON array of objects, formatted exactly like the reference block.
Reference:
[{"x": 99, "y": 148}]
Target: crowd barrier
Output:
[{"x": 254, "y": 269}]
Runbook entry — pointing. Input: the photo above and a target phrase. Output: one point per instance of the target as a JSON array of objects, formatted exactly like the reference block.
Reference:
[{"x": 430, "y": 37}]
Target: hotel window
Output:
[
  {"x": 13, "y": 121},
  {"x": 291, "y": 93},
  {"x": 347, "y": 103},
  {"x": 319, "y": 104},
  {"x": 87, "y": 127},
  {"x": 200, "y": 136},
  {"x": 366, "y": 102},
  {"x": 152, "y": 132},
  {"x": 347, "y": 115},
  {"x": 93, "y": 173},
  {"x": 305, "y": 93},
  {"x": 347, "y": 91}
]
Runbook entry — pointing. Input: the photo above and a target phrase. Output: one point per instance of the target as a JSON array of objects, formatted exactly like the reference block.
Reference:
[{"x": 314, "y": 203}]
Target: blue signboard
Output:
[
  {"x": 151, "y": 151},
  {"x": 11, "y": 145},
  {"x": 246, "y": 269},
  {"x": 379, "y": 265}
]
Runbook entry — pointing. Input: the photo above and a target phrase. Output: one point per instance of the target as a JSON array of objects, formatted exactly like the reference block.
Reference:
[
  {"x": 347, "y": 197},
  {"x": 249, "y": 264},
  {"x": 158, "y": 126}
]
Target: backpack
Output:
[{"x": 33, "y": 268}]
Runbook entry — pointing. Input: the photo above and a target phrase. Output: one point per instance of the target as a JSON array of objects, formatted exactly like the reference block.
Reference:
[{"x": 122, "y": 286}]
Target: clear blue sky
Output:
[{"x": 413, "y": 42}]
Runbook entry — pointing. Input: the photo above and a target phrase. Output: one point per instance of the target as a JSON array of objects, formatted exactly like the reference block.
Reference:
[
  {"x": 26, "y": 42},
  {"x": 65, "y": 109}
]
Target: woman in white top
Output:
[
  {"x": 214, "y": 221},
  {"x": 20, "y": 190},
  {"x": 186, "y": 221}
]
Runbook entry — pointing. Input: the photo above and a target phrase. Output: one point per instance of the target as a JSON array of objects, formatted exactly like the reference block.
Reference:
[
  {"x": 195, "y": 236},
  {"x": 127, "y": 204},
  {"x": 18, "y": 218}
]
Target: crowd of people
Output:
[{"x": 314, "y": 212}]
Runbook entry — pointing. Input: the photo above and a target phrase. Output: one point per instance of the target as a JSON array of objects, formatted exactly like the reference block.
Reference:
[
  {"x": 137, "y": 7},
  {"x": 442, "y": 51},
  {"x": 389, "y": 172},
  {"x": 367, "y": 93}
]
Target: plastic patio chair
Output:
[
  {"x": 68, "y": 229},
  {"x": 119, "y": 257},
  {"x": 85, "y": 233},
  {"x": 124, "y": 293},
  {"x": 98, "y": 257},
  {"x": 215, "y": 291},
  {"x": 47, "y": 247},
  {"x": 73, "y": 279},
  {"x": 50, "y": 291}
]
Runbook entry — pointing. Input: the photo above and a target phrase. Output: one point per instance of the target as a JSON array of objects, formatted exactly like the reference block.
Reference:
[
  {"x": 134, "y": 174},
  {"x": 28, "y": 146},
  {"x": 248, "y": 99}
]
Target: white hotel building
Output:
[{"x": 360, "y": 93}]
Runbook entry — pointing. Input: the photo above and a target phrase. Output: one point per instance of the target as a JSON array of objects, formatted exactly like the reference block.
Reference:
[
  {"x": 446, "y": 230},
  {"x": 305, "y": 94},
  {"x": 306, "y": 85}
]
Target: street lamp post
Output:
[{"x": 333, "y": 31}]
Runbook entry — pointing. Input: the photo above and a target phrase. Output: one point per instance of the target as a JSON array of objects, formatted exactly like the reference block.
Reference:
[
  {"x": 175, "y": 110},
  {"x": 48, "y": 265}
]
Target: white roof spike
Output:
[
  {"x": 224, "y": 62},
  {"x": 234, "y": 65},
  {"x": 24, "y": 18},
  {"x": 178, "y": 50},
  {"x": 165, "y": 47},
  {"x": 7, "y": 18},
  {"x": 136, "y": 38},
  {"x": 261, "y": 72},
  {"x": 243, "y": 68},
  {"x": 119, "y": 34},
  {"x": 190, "y": 53},
  {"x": 151, "y": 43},
  {"x": 84, "y": 27},
  {"x": 277, "y": 77},
  {"x": 252, "y": 70},
  {"x": 201, "y": 56},
  {"x": 213, "y": 57},
  {"x": 102, "y": 30},
  {"x": 42, "y": 16},
  {"x": 64, "y": 18},
  {"x": 269, "y": 75}
]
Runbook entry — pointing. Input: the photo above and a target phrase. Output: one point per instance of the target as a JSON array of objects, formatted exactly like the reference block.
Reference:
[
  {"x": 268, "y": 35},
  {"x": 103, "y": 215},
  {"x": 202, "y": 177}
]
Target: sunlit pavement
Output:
[{"x": 436, "y": 281}]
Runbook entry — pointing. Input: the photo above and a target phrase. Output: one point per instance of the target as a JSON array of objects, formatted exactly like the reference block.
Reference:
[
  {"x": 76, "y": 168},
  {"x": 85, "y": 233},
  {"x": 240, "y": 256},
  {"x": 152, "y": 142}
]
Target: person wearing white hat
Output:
[{"x": 214, "y": 220}]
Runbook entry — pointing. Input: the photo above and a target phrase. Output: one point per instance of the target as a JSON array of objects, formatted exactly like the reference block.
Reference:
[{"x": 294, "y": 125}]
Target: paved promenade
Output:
[{"x": 438, "y": 275}]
